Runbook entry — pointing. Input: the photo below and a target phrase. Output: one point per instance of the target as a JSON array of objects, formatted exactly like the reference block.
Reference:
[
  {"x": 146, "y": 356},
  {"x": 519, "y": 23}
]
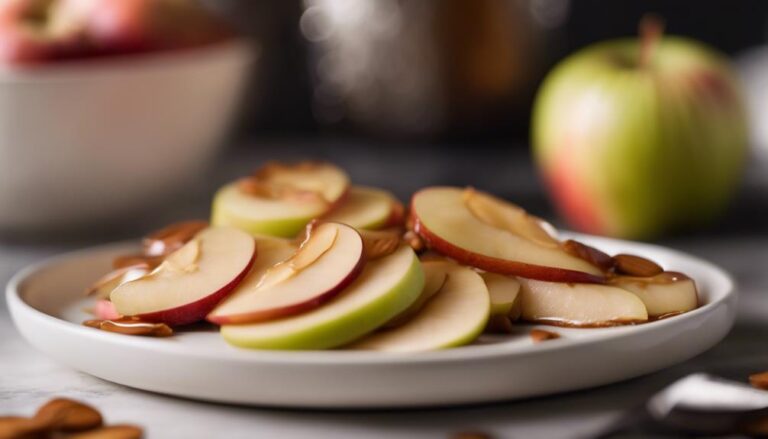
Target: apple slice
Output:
[
  {"x": 191, "y": 281},
  {"x": 385, "y": 288},
  {"x": 482, "y": 231},
  {"x": 505, "y": 295},
  {"x": 454, "y": 316},
  {"x": 279, "y": 200},
  {"x": 585, "y": 305},
  {"x": 366, "y": 208},
  {"x": 103, "y": 287},
  {"x": 435, "y": 276},
  {"x": 170, "y": 238},
  {"x": 663, "y": 294},
  {"x": 329, "y": 260}
]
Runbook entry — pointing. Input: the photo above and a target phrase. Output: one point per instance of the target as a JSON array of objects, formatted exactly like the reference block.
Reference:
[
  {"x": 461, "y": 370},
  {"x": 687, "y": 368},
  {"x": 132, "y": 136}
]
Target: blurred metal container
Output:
[{"x": 413, "y": 68}]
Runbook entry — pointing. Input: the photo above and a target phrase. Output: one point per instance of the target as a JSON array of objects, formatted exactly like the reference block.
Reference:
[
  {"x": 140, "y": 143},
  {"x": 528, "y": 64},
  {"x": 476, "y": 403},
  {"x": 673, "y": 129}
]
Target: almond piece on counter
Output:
[
  {"x": 68, "y": 415},
  {"x": 18, "y": 427},
  {"x": 759, "y": 380},
  {"x": 110, "y": 432},
  {"x": 539, "y": 335},
  {"x": 636, "y": 266}
]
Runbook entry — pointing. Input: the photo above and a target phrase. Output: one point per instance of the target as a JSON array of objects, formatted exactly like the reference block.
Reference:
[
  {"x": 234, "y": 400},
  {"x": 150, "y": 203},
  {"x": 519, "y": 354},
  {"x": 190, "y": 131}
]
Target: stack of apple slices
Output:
[
  {"x": 281, "y": 199},
  {"x": 563, "y": 283},
  {"x": 340, "y": 285}
]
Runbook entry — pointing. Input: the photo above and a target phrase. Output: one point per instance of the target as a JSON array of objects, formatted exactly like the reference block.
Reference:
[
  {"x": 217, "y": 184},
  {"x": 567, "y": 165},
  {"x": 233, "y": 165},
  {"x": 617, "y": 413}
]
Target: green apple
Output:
[
  {"x": 366, "y": 208},
  {"x": 279, "y": 199},
  {"x": 385, "y": 288},
  {"x": 637, "y": 137},
  {"x": 454, "y": 316}
]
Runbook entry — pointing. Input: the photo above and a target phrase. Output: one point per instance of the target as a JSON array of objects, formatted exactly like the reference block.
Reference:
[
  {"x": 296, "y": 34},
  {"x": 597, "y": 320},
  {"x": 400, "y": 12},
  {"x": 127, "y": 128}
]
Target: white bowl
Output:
[{"x": 91, "y": 140}]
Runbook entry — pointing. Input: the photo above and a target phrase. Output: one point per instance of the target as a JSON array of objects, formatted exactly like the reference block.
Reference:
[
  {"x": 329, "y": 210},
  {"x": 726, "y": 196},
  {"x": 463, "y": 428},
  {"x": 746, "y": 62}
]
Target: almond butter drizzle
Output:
[
  {"x": 172, "y": 237},
  {"x": 540, "y": 335},
  {"x": 634, "y": 265},
  {"x": 131, "y": 326}
]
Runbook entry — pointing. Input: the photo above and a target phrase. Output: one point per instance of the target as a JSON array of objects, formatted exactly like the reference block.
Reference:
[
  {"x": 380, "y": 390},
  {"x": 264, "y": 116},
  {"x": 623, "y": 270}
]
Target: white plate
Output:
[{"x": 46, "y": 304}]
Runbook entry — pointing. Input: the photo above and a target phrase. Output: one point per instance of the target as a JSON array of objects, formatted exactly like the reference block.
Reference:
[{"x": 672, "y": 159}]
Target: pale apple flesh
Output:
[
  {"x": 435, "y": 276},
  {"x": 326, "y": 263},
  {"x": 191, "y": 281},
  {"x": 365, "y": 208},
  {"x": 279, "y": 208},
  {"x": 664, "y": 294},
  {"x": 505, "y": 295},
  {"x": 385, "y": 288},
  {"x": 443, "y": 220},
  {"x": 454, "y": 316},
  {"x": 579, "y": 305}
]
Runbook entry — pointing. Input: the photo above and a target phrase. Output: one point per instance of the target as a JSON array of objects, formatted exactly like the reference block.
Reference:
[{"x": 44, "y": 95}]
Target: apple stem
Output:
[{"x": 651, "y": 30}]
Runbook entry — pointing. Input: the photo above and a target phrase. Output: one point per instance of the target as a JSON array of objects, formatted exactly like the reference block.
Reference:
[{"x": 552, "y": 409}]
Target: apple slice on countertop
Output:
[
  {"x": 385, "y": 288},
  {"x": 579, "y": 305},
  {"x": 328, "y": 260},
  {"x": 482, "y": 231},
  {"x": 279, "y": 200},
  {"x": 664, "y": 294},
  {"x": 454, "y": 316},
  {"x": 365, "y": 208},
  {"x": 191, "y": 281},
  {"x": 435, "y": 276}
]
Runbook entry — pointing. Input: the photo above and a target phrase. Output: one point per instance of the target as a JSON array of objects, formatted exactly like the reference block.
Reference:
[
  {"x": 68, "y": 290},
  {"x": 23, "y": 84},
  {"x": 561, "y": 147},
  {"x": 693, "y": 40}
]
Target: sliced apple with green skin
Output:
[
  {"x": 505, "y": 295},
  {"x": 435, "y": 276},
  {"x": 455, "y": 316},
  {"x": 663, "y": 294},
  {"x": 191, "y": 281},
  {"x": 365, "y": 208},
  {"x": 579, "y": 305},
  {"x": 385, "y": 288},
  {"x": 280, "y": 200},
  {"x": 327, "y": 262},
  {"x": 482, "y": 231}
]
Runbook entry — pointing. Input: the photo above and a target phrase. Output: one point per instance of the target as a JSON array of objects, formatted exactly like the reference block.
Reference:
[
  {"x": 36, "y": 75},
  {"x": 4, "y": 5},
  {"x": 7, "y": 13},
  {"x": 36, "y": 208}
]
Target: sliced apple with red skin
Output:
[
  {"x": 191, "y": 281},
  {"x": 366, "y": 208},
  {"x": 579, "y": 305},
  {"x": 280, "y": 199},
  {"x": 663, "y": 294},
  {"x": 435, "y": 276},
  {"x": 454, "y": 316},
  {"x": 103, "y": 287},
  {"x": 482, "y": 231},
  {"x": 329, "y": 260}
]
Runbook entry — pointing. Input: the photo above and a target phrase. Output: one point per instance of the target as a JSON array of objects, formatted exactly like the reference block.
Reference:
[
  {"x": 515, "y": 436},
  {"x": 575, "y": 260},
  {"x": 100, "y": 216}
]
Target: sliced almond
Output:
[
  {"x": 131, "y": 326},
  {"x": 506, "y": 216},
  {"x": 66, "y": 415},
  {"x": 634, "y": 265},
  {"x": 172, "y": 237},
  {"x": 380, "y": 243},
  {"x": 759, "y": 380},
  {"x": 590, "y": 254},
  {"x": 124, "y": 261},
  {"x": 539, "y": 335},
  {"x": 110, "y": 432}
]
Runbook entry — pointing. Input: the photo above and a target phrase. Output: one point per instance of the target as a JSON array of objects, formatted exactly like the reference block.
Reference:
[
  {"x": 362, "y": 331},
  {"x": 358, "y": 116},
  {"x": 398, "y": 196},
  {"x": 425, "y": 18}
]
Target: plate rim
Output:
[{"x": 17, "y": 306}]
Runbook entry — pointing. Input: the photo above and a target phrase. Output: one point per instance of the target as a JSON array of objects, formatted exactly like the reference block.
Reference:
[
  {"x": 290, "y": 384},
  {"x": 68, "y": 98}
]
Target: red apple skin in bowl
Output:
[
  {"x": 636, "y": 148},
  {"x": 93, "y": 141}
]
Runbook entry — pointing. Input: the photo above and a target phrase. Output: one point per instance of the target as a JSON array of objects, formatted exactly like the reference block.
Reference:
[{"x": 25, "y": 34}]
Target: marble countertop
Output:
[{"x": 27, "y": 378}]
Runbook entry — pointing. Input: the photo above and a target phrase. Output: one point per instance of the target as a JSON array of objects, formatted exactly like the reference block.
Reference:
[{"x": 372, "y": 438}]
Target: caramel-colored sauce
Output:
[{"x": 131, "y": 326}]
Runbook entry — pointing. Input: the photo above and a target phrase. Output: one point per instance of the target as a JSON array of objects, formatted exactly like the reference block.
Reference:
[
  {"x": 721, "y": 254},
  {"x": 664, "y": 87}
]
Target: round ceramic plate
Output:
[{"x": 46, "y": 302}]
